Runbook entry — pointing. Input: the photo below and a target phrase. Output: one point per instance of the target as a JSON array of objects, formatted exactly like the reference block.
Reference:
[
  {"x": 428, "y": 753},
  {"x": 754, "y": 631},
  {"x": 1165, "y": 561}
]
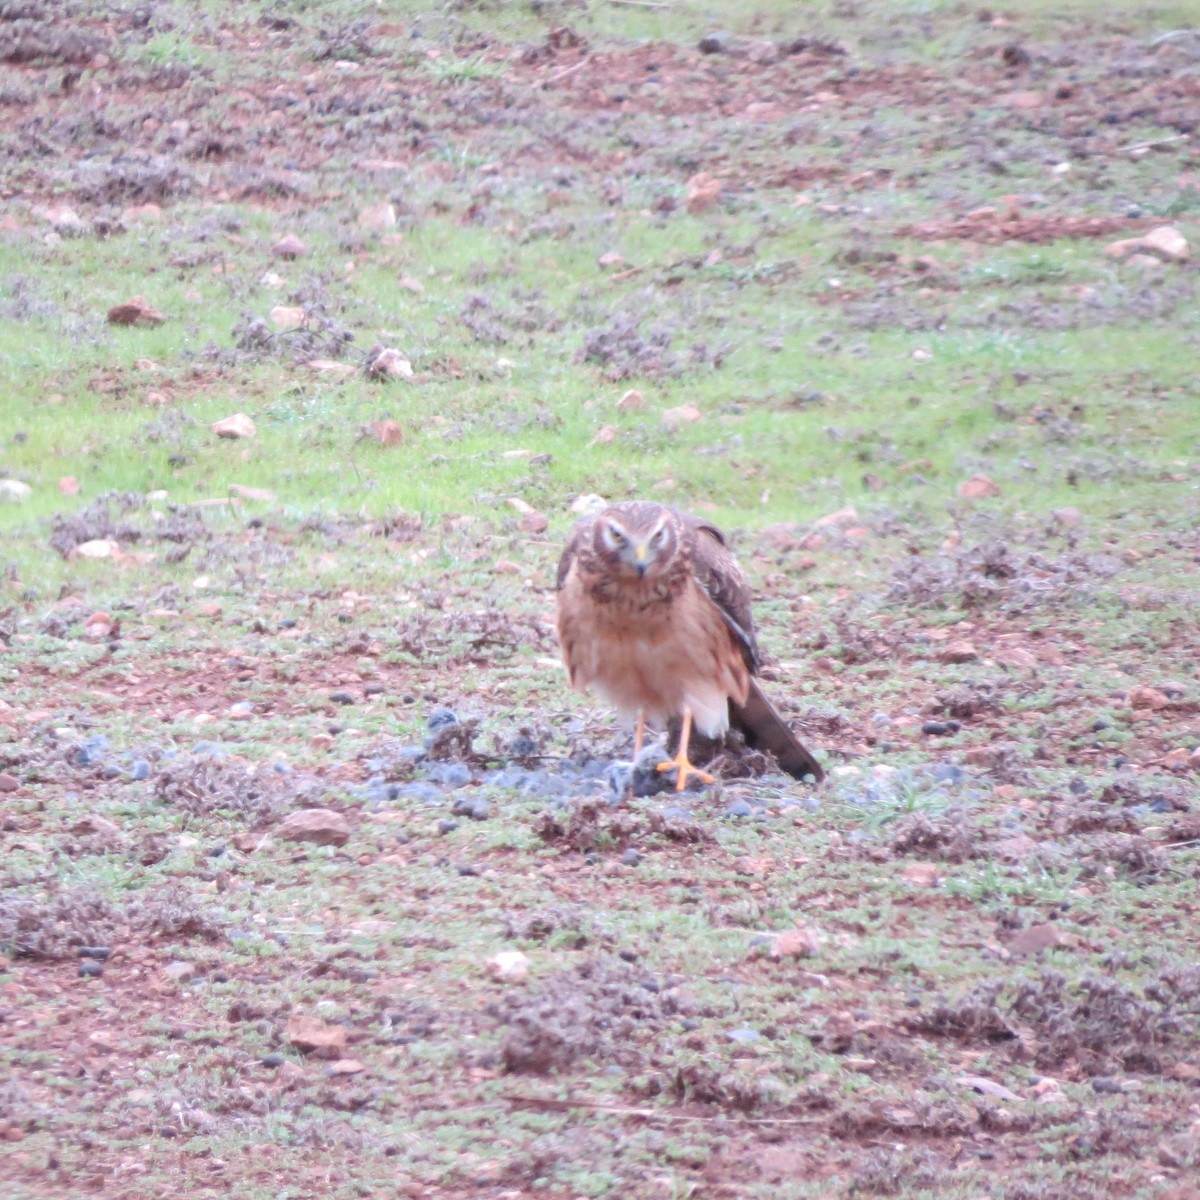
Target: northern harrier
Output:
[{"x": 654, "y": 615}]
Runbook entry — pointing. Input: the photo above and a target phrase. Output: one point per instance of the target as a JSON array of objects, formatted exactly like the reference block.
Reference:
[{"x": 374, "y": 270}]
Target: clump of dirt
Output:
[
  {"x": 454, "y": 741},
  {"x": 201, "y": 785},
  {"x": 697, "y": 1083},
  {"x": 30, "y": 35},
  {"x": 968, "y": 700},
  {"x": 589, "y": 825},
  {"x": 480, "y": 637},
  {"x": 495, "y": 326},
  {"x": 992, "y": 574},
  {"x": 131, "y": 180},
  {"x": 949, "y": 837},
  {"x": 595, "y": 1011},
  {"x": 49, "y": 923},
  {"x": 975, "y": 1017},
  {"x": 622, "y": 350},
  {"x": 1101, "y": 1021},
  {"x": 892, "y": 1172},
  {"x": 105, "y": 518},
  {"x": 321, "y": 336}
]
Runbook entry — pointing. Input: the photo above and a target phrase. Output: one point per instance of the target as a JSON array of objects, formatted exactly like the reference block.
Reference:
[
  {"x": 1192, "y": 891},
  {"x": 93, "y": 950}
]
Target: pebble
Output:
[
  {"x": 139, "y": 770},
  {"x": 447, "y": 826},
  {"x": 272, "y": 1060},
  {"x": 441, "y": 718},
  {"x": 739, "y": 808},
  {"x": 631, "y": 857},
  {"x": 96, "y": 952},
  {"x": 744, "y": 1035},
  {"x": 342, "y": 697},
  {"x": 90, "y": 969},
  {"x": 947, "y": 773},
  {"x": 522, "y": 746},
  {"x": 451, "y": 775},
  {"x": 473, "y": 807},
  {"x": 935, "y": 728}
]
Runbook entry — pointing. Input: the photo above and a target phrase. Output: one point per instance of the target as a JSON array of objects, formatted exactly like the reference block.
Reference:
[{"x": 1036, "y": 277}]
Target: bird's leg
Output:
[
  {"x": 680, "y": 761},
  {"x": 639, "y": 733}
]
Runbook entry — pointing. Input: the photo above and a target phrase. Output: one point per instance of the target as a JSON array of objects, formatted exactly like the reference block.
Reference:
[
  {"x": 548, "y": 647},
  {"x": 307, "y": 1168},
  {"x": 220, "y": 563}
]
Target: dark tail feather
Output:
[{"x": 764, "y": 729}]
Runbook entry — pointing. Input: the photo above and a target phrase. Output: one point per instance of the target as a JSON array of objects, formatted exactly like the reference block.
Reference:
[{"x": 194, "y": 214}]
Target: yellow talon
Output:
[{"x": 680, "y": 762}]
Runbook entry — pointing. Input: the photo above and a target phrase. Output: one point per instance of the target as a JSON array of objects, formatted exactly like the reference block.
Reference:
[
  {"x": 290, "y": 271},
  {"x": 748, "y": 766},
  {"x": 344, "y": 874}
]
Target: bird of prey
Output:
[{"x": 654, "y": 616}]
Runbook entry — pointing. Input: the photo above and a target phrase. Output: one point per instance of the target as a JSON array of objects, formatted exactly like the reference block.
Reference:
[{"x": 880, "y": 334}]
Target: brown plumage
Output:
[{"x": 654, "y": 616}]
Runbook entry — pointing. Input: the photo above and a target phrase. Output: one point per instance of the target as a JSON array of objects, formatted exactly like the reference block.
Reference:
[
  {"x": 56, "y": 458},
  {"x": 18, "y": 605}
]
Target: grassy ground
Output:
[{"x": 964, "y": 967}]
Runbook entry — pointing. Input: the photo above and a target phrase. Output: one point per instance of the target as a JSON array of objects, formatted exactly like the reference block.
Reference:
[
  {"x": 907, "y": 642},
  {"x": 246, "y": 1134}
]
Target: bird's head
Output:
[{"x": 640, "y": 542}]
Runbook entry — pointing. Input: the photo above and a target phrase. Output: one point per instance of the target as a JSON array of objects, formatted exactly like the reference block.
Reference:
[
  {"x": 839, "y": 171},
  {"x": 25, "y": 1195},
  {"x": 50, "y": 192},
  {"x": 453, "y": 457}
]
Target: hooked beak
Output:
[{"x": 641, "y": 558}]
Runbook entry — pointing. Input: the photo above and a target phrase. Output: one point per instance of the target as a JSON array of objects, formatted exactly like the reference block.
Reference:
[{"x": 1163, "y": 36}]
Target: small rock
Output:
[
  {"x": 509, "y": 966},
  {"x": 739, "y": 808},
  {"x": 8, "y": 783},
  {"x": 389, "y": 364},
  {"x": 411, "y": 284},
  {"x": 377, "y": 218},
  {"x": 1178, "y": 759},
  {"x": 589, "y": 505},
  {"x": 935, "y": 728},
  {"x": 796, "y": 943},
  {"x": 744, "y": 1035},
  {"x": 605, "y": 435},
  {"x": 684, "y": 414},
  {"x": 139, "y": 770},
  {"x": 97, "y": 548},
  {"x": 135, "y": 311},
  {"x": 330, "y": 366},
  {"x": 984, "y": 757},
  {"x": 958, "y": 652},
  {"x": 345, "y": 1066},
  {"x": 320, "y": 826},
  {"x": 611, "y": 261},
  {"x": 14, "y": 489},
  {"x": 289, "y": 246},
  {"x": 90, "y": 969},
  {"x": 68, "y": 485},
  {"x": 285, "y": 316},
  {"x": 441, "y": 718},
  {"x": 1165, "y": 243},
  {"x": 310, "y": 1035},
  {"x": 720, "y": 42},
  {"x": 977, "y": 487},
  {"x": 1146, "y": 698},
  {"x": 631, "y": 857},
  {"x": 986, "y": 1087},
  {"x": 843, "y": 516},
  {"x": 1069, "y": 518},
  {"x": 272, "y": 1060},
  {"x": 342, "y": 697},
  {"x": 180, "y": 971},
  {"x": 387, "y": 433},
  {"x": 445, "y": 826},
  {"x": 631, "y": 401},
  {"x": 1035, "y": 940},
  {"x": 237, "y": 426},
  {"x": 703, "y": 191},
  {"x": 96, "y": 952},
  {"x": 242, "y": 492},
  {"x": 534, "y": 522}
]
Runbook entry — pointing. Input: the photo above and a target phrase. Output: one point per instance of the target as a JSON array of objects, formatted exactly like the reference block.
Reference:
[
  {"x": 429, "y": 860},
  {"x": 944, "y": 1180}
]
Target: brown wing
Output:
[
  {"x": 718, "y": 573},
  {"x": 760, "y": 725}
]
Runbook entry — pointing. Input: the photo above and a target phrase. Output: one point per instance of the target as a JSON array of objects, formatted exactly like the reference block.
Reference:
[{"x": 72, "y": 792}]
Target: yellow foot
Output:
[{"x": 685, "y": 768}]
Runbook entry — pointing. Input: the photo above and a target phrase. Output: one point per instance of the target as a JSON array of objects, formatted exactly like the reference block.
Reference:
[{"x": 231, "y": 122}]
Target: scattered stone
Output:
[
  {"x": 287, "y": 316},
  {"x": 237, "y": 426},
  {"x": 14, "y": 490},
  {"x": 631, "y": 401},
  {"x": 534, "y": 522},
  {"x": 958, "y": 652},
  {"x": 843, "y": 516},
  {"x": 1146, "y": 698},
  {"x": 94, "y": 825},
  {"x": 977, "y": 487},
  {"x": 605, "y": 435},
  {"x": 1069, "y": 518},
  {"x": 68, "y": 485},
  {"x": 289, "y": 247},
  {"x": 1178, "y": 759},
  {"x": 97, "y": 548},
  {"x": 342, "y": 697},
  {"x": 377, "y": 218},
  {"x": 389, "y": 364},
  {"x": 135, "y": 311},
  {"x": 345, "y": 1066},
  {"x": 329, "y": 366},
  {"x": 986, "y": 1087},
  {"x": 611, "y": 261},
  {"x": 984, "y": 757},
  {"x": 721, "y": 42},
  {"x": 272, "y": 1060},
  {"x": 242, "y": 492},
  {"x": 739, "y": 808},
  {"x": 411, "y": 284},
  {"x": 703, "y": 191},
  {"x": 65, "y": 220},
  {"x": 90, "y": 969},
  {"x": 98, "y": 626},
  {"x": 180, "y": 972},
  {"x": 310, "y": 1035},
  {"x": 935, "y": 728},
  {"x": 921, "y": 874},
  {"x": 320, "y": 826},
  {"x": 8, "y": 783},
  {"x": 1165, "y": 243},
  {"x": 509, "y": 966},
  {"x": 796, "y": 943},
  {"x": 96, "y": 952},
  {"x": 386, "y": 433},
  {"x": 1035, "y": 940},
  {"x": 589, "y": 504},
  {"x": 683, "y": 415}
]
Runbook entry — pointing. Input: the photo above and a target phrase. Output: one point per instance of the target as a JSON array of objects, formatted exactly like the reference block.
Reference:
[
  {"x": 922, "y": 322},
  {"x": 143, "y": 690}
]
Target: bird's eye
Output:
[
  {"x": 617, "y": 537},
  {"x": 660, "y": 536}
]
